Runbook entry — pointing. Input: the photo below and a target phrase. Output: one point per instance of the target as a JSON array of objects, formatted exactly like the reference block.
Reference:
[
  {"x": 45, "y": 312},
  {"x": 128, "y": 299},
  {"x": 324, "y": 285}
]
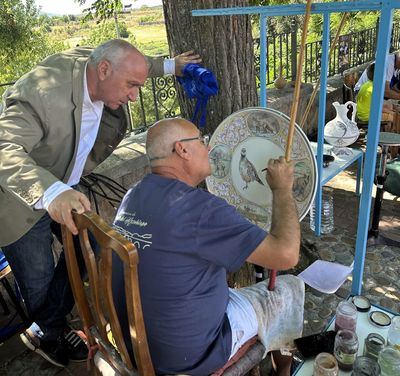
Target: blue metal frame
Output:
[
  {"x": 263, "y": 61},
  {"x": 340, "y": 164},
  {"x": 386, "y": 8},
  {"x": 321, "y": 119}
]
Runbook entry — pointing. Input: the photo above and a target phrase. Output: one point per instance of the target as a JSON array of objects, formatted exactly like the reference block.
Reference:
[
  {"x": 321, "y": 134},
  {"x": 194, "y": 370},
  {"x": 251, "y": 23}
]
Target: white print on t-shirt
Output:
[
  {"x": 129, "y": 219},
  {"x": 140, "y": 241}
]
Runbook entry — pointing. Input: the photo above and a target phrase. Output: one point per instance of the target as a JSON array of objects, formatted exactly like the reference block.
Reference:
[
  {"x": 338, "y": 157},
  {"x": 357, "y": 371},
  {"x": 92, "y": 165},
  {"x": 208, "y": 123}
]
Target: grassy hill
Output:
[{"x": 145, "y": 26}]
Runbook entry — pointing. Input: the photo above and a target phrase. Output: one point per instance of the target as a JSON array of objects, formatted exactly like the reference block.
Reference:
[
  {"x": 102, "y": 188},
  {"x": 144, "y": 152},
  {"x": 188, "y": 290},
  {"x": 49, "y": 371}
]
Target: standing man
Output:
[
  {"x": 59, "y": 122},
  {"x": 188, "y": 239}
]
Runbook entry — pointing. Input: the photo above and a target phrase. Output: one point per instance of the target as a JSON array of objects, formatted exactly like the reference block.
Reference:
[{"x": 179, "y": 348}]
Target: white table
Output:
[{"x": 364, "y": 327}]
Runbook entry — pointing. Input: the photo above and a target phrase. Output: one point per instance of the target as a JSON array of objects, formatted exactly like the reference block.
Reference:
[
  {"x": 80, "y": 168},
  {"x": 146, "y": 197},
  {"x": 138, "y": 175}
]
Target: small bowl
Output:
[{"x": 326, "y": 159}]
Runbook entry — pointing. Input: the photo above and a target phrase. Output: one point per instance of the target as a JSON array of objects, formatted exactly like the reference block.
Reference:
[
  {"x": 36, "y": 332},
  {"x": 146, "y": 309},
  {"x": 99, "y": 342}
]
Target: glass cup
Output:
[
  {"x": 345, "y": 350},
  {"x": 364, "y": 366},
  {"x": 325, "y": 365},
  {"x": 389, "y": 361},
  {"x": 373, "y": 345},
  {"x": 346, "y": 316},
  {"x": 393, "y": 337}
]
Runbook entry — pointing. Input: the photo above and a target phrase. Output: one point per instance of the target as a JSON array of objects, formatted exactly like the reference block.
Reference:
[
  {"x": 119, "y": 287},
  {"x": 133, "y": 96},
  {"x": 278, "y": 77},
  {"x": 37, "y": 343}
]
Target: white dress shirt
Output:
[{"x": 91, "y": 116}]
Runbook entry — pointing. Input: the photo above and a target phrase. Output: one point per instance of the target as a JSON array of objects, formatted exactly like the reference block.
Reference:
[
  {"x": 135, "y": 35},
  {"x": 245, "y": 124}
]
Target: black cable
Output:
[{"x": 98, "y": 185}]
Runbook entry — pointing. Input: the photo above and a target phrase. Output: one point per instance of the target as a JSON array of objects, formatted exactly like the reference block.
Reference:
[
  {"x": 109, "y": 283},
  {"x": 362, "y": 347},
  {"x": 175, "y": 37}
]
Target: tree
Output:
[
  {"x": 16, "y": 21},
  {"x": 226, "y": 47},
  {"x": 24, "y": 39},
  {"x": 104, "y": 32},
  {"x": 103, "y": 10}
]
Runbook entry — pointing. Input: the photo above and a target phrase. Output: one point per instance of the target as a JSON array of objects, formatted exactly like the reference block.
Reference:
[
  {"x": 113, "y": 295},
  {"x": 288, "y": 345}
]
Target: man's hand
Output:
[
  {"x": 188, "y": 57},
  {"x": 280, "y": 248},
  {"x": 280, "y": 174},
  {"x": 61, "y": 207}
]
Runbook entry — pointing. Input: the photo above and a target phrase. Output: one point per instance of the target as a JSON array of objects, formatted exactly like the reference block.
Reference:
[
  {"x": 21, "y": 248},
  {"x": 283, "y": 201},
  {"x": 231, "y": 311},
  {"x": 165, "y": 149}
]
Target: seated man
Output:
[
  {"x": 392, "y": 89},
  {"x": 364, "y": 99},
  {"x": 188, "y": 239}
]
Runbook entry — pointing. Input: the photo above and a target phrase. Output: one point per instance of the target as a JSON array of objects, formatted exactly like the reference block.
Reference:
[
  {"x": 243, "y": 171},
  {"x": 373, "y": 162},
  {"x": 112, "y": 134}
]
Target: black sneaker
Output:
[
  {"x": 53, "y": 351},
  {"x": 77, "y": 349}
]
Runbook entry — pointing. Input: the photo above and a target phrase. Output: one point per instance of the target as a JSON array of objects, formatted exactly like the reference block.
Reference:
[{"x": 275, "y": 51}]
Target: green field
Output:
[{"x": 145, "y": 26}]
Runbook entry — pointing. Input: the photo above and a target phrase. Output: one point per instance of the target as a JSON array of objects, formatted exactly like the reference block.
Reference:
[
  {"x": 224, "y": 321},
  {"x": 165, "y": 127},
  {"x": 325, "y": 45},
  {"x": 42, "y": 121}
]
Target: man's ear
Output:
[
  {"x": 104, "y": 69},
  {"x": 182, "y": 151}
]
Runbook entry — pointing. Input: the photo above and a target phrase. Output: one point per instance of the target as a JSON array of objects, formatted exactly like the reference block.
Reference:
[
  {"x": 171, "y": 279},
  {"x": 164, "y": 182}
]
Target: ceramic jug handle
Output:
[{"x": 354, "y": 106}]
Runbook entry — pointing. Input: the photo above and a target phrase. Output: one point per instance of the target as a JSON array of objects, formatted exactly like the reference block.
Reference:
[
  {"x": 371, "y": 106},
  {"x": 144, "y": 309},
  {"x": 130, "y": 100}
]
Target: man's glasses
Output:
[{"x": 203, "y": 139}]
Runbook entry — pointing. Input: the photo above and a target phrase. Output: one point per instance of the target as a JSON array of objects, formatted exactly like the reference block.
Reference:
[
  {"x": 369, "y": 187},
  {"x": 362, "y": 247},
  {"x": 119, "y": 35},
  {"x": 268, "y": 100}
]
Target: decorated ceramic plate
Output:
[{"x": 240, "y": 149}]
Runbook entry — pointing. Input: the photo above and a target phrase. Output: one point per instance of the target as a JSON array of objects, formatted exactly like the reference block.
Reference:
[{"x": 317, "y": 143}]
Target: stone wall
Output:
[
  {"x": 281, "y": 100},
  {"x": 128, "y": 164}
]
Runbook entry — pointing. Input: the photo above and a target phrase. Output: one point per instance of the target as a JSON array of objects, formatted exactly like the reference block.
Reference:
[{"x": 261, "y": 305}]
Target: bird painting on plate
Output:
[{"x": 247, "y": 170}]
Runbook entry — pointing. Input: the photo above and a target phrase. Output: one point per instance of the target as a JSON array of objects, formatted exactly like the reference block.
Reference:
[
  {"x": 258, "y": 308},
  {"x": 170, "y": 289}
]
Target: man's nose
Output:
[{"x": 133, "y": 94}]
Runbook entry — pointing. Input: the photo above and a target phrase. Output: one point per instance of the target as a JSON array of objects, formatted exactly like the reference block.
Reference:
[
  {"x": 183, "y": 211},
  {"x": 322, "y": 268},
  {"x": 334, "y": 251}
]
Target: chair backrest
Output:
[{"x": 100, "y": 315}]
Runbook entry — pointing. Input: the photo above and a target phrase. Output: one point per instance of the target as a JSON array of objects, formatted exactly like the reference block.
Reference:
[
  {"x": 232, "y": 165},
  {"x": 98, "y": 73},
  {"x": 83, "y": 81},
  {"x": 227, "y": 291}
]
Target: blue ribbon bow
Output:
[{"x": 199, "y": 83}]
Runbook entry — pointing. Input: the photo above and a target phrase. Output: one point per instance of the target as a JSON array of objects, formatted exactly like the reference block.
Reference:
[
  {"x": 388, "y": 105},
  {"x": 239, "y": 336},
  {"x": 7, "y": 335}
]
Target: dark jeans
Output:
[{"x": 45, "y": 289}]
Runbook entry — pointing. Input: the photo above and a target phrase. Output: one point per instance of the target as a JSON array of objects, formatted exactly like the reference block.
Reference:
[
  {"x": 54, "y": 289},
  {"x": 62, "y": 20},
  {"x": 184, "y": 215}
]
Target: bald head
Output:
[
  {"x": 176, "y": 150},
  {"x": 162, "y": 136}
]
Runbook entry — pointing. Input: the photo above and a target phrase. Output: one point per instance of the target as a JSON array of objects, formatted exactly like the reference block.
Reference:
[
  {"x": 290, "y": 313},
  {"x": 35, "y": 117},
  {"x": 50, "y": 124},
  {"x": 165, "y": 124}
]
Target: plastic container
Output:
[
  {"x": 346, "y": 316},
  {"x": 393, "y": 337},
  {"x": 327, "y": 221},
  {"x": 389, "y": 361},
  {"x": 325, "y": 276},
  {"x": 346, "y": 347},
  {"x": 325, "y": 365}
]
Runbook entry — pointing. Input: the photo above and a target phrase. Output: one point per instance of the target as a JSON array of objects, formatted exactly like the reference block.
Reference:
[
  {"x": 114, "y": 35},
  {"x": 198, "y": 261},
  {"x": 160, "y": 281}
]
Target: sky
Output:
[{"x": 71, "y": 7}]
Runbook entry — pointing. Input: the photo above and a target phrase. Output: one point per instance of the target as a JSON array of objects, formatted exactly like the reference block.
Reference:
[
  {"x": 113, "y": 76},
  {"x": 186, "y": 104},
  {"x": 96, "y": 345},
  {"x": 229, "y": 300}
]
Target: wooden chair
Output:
[
  {"x": 101, "y": 314},
  {"x": 97, "y": 316}
]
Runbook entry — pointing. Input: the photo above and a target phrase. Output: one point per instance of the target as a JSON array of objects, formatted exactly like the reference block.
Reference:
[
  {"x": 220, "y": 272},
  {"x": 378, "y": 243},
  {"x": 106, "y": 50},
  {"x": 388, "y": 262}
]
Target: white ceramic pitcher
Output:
[{"x": 342, "y": 131}]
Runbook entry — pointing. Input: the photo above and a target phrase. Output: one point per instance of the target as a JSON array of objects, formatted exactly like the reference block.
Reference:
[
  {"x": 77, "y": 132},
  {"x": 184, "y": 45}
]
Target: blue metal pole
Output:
[
  {"x": 321, "y": 119},
  {"x": 295, "y": 9},
  {"x": 263, "y": 61},
  {"x": 385, "y": 27}
]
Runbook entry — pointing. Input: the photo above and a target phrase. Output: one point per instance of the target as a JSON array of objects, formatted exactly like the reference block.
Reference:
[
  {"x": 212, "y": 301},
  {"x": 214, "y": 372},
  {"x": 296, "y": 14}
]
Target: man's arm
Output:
[
  {"x": 20, "y": 131},
  {"x": 390, "y": 93},
  {"x": 60, "y": 209},
  {"x": 156, "y": 64},
  {"x": 188, "y": 57},
  {"x": 280, "y": 249}
]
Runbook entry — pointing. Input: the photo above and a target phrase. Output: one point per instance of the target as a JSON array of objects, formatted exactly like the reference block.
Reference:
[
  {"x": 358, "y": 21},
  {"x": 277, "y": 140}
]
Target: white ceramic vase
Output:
[{"x": 342, "y": 131}]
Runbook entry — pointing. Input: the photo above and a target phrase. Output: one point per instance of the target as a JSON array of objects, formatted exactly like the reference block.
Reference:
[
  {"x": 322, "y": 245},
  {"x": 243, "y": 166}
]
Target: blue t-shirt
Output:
[{"x": 187, "y": 240}]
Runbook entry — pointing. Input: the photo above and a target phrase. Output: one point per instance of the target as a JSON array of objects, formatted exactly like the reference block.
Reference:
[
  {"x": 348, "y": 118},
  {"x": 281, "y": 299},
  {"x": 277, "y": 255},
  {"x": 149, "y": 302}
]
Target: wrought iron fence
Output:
[
  {"x": 158, "y": 98},
  {"x": 277, "y": 45},
  {"x": 352, "y": 49}
]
